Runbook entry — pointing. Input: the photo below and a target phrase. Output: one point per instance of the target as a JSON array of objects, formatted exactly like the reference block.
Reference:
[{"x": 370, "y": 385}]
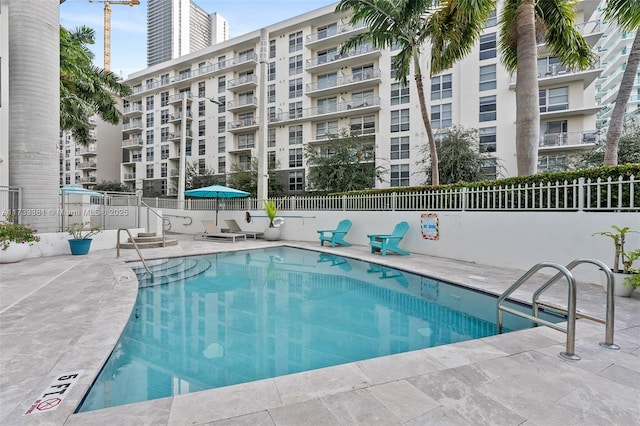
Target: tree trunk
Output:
[
  {"x": 527, "y": 97},
  {"x": 617, "y": 116},
  {"x": 34, "y": 113},
  {"x": 435, "y": 175}
]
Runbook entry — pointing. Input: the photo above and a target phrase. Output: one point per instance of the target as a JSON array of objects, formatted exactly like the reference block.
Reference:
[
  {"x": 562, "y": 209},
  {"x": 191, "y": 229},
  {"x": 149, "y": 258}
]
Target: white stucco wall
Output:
[{"x": 56, "y": 243}]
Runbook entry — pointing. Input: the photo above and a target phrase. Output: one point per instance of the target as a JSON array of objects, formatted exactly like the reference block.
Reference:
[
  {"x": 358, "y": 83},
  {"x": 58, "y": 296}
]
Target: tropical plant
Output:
[
  {"x": 82, "y": 231},
  {"x": 271, "y": 209},
  {"x": 524, "y": 24},
  {"x": 452, "y": 26},
  {"x": 628, "y": 150},
  {"x": 460, "y": 159},
  {"x": 11, "y": 232},
  {"x": 110, "y": 186},
  {"x": 626, "y": 13},
  {"x": 85, "y": 89},
  {"x": 247, "y": 179},
  {"x": 622, "y": 257},
  {"x": 346, "y": 163}
]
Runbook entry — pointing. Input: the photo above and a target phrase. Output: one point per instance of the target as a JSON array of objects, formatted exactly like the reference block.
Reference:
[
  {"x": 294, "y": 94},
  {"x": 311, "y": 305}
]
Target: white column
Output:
[
  {"x": 183, "y": 152},
  {"x": 263, "y": 133}
]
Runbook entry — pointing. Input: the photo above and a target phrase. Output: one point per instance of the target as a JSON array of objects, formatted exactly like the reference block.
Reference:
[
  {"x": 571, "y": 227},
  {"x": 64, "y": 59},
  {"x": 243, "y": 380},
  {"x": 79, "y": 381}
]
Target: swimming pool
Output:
[{"x": 211, "y": 321}]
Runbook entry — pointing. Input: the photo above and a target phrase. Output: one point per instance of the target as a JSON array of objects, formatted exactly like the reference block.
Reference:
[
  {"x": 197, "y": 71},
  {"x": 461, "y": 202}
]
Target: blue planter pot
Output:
[{"x": 80, "y": 246}]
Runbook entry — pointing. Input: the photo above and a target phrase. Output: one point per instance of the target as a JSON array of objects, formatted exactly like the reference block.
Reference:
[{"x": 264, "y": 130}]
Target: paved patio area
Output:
[{"x": 64, "y": 314}]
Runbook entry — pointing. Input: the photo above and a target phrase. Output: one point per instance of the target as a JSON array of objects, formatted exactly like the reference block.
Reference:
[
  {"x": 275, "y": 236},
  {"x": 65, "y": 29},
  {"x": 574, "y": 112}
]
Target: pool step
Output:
[
  {"x": 149, "y": 240},
  {"x": 188, "y": 268}
]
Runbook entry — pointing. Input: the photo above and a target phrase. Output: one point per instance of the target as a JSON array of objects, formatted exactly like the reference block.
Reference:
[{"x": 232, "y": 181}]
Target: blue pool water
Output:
[{"x": 209, "y": 321}]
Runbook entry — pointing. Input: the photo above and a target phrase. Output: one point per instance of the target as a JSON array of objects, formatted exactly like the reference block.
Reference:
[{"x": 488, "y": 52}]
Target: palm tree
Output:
[
  {"x": 523, "y": 24},
  {"x": 85, "y": 89},
  {"x": 627, "y": 15},
  {"x": 452, "y": 26},
  {"x": 34, "y": 90}
]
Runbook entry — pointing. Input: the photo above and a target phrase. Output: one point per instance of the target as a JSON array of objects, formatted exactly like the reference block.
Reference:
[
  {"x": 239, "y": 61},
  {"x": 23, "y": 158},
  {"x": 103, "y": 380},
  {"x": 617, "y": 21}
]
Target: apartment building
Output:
[
  {"x": 312, "y": 91},
  {"x": 95, "y": 163},
  {"x": 178, "y": 27}
]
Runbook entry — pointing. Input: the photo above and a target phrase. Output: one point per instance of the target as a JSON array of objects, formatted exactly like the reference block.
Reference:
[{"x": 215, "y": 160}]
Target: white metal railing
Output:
[
  {"x": 621, "y": 194},
  {"x": 568, "y": 138}
]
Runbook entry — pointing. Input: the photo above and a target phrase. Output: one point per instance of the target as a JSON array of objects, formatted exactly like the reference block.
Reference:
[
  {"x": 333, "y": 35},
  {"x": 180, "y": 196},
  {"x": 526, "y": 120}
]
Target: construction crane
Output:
[{"x": 107, "y": 26}]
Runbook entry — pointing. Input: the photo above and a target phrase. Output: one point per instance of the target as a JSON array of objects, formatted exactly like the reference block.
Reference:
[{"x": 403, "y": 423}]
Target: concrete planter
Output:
[
  {"x": 272, "y": 234},
  {"x": 619, "y": 289},
  {"x": 14, "y": 253}
]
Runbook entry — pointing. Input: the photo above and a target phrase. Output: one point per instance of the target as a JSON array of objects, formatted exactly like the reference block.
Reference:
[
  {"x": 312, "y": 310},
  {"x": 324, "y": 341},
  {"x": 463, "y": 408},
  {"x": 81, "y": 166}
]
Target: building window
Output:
[
  {"x": 222, "y": 84},
  {"x": 363, "y": 125},
  {"x": 222, "y": 124},
  {"x": 295, "y": 157},
  {"x": 327, "y": 105},
  {"x": 399, "y": 175},
  {"x": 246, "y": 140},
  {"x": 295, "y": 88},
  {"x": 222, "y": 144},
  {"x": 202, "y": 147},
  {"x": 163, "y": 169},
  {"x": 201, "y": 85},
  {"x": 323, "y": 130},
  {"x": 488, "y": 108},
  {"x": 202, "y": 109},
  {"x": 487, "y": 46},
  {"x": 149, "y": 171},
  {"x": 553, "y": 133},
  {"x": 441, "y": 87},
  {"x": 295, "y": 65},
  {"x": 393, "y": 67},
  {"x": 400, "y": 148},
  {"x": 222, "y": 165},
  {"x": 164, "y": 116},
  {"x": 271, "y": 114},
  {"x": 362, "y": 99},
  {"x": 271, "y": 93},
  {"x": 552, "y": 163},
  {"x": 164, "y": 99},
  {"x": 271, "y": 72},
  {"x": 295, "y": 110},
  {"x": 556, "y": 99},
  {"x": 202, "y": 166},
  {"x": 295, "y": 135},
  {"x": 295, "y": 42},
  {"x": 327, "y": 55},
  {"x": 202, "y": 128},
  {"x": 492, "y": 20},
  {"x": 399, "y": 94},
  {"x": 550, "y": 66},
  {"x": 327, "y": 80},
  {"x": 149, "y": 103},
  {"x": 271, "y": 138},
  {"x": 488, "y": 139},
  {"x": 361, "y": 73},
  {"x": 187, "y": 151},
  {"x": 244, "y": 162},
  {"x": 150, "y": 120},
  {"x": 488, "y": 77},
  {"x": 441, "y": 116},
  {"x": 164, "y": 134},
  {"x": 271, "y": 159},
  {"x": 149, "y": 136},
  {"x": 222, "y": 104},
  {"x": 399, "y": 120},
  {"x": 296, "y": 181},
  {"x": 489, "y": 168},
  {"x": 272, "y": 49},
  {"x": 164, "y": 152}
]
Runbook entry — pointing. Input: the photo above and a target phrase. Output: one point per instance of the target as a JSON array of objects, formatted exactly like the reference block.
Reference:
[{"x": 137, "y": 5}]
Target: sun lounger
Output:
[
  {"x": 212, "y": 232},
  {"x": 235, "y": 228}
]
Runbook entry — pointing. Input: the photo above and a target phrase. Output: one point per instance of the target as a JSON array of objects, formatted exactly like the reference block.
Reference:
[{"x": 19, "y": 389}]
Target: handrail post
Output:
[{"x": 134, "y": 246}]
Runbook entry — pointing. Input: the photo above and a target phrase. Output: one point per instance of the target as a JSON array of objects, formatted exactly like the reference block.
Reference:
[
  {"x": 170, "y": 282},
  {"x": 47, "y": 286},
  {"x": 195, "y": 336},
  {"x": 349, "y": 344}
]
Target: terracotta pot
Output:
[{"x": 14, "y": 253}]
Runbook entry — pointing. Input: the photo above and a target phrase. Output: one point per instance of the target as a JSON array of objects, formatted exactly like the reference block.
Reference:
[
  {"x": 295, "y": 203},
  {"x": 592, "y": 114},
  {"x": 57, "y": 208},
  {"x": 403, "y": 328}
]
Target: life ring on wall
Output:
[
  {"x": 247, "y": 217},
  {"x": 278, "y": 222}
]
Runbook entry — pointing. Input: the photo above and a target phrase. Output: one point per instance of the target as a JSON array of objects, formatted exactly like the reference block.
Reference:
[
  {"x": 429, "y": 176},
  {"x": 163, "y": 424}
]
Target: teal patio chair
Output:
[
  {"x": 389, "y": 242},
  {"x": 336, "y": 236}
]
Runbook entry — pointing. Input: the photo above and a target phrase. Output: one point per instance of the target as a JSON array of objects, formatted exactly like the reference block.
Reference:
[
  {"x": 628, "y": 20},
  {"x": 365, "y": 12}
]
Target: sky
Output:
[{"x": 129, "y": 24}]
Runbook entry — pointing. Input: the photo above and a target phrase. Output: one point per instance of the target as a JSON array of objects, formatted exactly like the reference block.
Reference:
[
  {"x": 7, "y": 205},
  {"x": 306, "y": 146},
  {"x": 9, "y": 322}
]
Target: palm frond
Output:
[{"x": 625, "y": 12}]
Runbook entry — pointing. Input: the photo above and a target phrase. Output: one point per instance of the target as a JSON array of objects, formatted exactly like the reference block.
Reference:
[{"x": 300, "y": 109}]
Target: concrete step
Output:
[
  {"x": 149, "y": 244},
  {"x": 146, "y": 234},
  {"x": 147, "y": 239}
]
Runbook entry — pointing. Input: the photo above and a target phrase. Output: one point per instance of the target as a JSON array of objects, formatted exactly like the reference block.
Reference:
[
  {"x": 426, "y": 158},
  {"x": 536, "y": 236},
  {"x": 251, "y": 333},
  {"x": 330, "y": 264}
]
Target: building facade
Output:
[
  {"x": 178, "y": 27},
  {"x": 313, "y": 91}
]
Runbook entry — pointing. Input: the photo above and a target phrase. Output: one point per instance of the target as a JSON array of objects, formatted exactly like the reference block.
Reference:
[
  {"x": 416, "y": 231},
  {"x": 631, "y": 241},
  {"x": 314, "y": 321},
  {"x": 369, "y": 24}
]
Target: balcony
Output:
[
  {"x": 87, "y": 152},
  {"x": 174, "y": 173},
  {"x": 343, "y": 83},
  {"x": 339, "y": 109},
  {"x": 177, "y": 136},
  {"x": 132, "y": 126},
  {"x": 132, "y": 110},
  {"x": 247, "y": 103},
  {"x": 177, "y": 98},
  {"x": 243, "y": 125},
  {"x": 89, "y": 179},
  {"x": 176, "y": 118},
  {"x": 335, "y": 61},
  {"x": 568, "y": 140},
  {"x": 243, "y": 84},
  {"x": 132, "y": 143},
  {"x": 591, "y": 31},
  {"x": 333, "y": 36},
  {"x": 558, "y": 74},
  {"x": 129, "y": 177},
  {"x": 88, "y": 165}
]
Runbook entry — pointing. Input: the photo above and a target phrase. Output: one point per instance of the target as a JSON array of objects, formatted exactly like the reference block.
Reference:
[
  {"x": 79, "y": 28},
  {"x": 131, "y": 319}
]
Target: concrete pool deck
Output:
[{"x": 64, "y": 314}]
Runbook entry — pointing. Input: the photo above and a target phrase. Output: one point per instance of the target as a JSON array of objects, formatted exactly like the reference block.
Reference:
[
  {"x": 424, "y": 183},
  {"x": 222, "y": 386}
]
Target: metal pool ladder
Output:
[
  {"x": 570, "y": 311},
  {"x": 134, "y": 246}
]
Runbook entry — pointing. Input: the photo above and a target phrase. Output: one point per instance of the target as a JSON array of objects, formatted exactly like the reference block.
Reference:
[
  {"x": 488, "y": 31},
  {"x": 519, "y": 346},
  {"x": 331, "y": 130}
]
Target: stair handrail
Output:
[
  {"x": 135, "y": 246},
  {"x": 610, "y": 304},
  {"x": 570, "y": 330},
  {"x": 162, "y": 218}
]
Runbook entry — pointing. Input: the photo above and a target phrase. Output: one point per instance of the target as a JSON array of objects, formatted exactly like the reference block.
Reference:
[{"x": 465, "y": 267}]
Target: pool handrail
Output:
[{"x": 135, "y": 246}]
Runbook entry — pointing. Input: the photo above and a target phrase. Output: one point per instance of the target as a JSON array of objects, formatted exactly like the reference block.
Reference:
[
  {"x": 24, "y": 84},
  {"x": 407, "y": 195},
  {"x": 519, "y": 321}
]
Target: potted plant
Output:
[
  {"x": 81, "y": 233},
  {"x": 15, "y": 240},
  {"x": 626, "y": 279},
  {"x": 272, "y": 233}
]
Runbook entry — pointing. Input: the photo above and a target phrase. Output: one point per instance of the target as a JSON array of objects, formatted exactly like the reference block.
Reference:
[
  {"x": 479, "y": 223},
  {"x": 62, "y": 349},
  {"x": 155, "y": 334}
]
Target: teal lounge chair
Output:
[
  {"x": 336, "y": 236},
  {"x": 389, "y": 242}
]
